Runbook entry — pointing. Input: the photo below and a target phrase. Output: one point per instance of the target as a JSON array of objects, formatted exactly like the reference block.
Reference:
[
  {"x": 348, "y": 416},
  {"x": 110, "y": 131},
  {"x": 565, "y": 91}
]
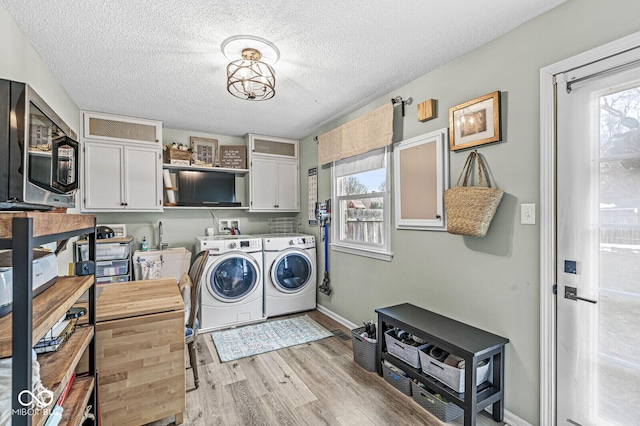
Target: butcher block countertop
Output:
[{"x": 136, "y": 298}]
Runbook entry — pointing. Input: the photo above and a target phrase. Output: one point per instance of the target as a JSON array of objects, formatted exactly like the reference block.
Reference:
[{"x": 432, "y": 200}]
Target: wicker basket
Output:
[
  {"x": 398, "y": 381},
  {"x": 364, "y": 352},
  {"x": 470, "y": 209},
  {"x": 407, "y": 353},
  {"x": 445, "y": 411}
]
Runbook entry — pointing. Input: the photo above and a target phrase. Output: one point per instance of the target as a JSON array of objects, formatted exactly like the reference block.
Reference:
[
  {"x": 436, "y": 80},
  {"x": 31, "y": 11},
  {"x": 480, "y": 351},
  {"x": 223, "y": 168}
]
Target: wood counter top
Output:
[{"x": 135, "y": 298}]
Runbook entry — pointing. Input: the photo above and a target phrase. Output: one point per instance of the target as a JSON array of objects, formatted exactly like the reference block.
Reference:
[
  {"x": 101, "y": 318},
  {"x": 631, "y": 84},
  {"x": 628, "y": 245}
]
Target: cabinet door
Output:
[
  {"x": 263, "y": 184},
  {"x": 103, "y": 170},
  {"x": 288, "y": 194},
  {"x": 143, "y": 171}
]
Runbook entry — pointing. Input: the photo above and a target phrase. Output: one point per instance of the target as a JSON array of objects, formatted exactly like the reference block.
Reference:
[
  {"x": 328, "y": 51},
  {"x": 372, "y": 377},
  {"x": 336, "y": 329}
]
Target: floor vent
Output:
[{"x": 341, "y": 334}]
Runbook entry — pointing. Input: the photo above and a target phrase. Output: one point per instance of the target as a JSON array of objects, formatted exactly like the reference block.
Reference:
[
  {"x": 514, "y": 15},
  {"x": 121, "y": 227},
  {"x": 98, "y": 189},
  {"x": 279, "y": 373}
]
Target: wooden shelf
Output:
[
  {"x": 56, "y": 368},
  {"x": 206, "y": 169},
  {"x": 77, "y": 401},
  {"x": 166, "y": 207},
  {"x": 48, "y": 308},
  {"x": 46, "y": 223}
]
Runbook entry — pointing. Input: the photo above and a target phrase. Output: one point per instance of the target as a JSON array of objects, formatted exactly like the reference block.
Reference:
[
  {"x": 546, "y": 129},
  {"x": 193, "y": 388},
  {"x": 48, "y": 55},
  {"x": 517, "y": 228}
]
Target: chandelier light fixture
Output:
[{"x": 250, "y": 74}]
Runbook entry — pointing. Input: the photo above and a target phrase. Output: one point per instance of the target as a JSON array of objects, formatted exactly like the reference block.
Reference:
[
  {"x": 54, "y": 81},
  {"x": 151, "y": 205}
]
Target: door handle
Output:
[{"x": 572, "y": 293}]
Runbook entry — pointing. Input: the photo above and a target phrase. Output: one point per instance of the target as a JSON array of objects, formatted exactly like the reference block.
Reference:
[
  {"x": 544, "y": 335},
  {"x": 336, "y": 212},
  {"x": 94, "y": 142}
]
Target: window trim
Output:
[{"x": 384, "y": 251}]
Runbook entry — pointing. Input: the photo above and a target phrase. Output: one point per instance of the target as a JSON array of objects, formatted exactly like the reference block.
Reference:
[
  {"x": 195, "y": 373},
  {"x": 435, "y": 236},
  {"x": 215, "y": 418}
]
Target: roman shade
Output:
[{"x": 370, "y": 131}]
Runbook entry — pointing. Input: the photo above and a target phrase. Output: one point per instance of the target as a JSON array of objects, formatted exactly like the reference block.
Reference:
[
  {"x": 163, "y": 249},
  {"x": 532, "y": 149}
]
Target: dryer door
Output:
[
  {"x": 232, "y": 277},
  {"x": 291, "y": 271}
]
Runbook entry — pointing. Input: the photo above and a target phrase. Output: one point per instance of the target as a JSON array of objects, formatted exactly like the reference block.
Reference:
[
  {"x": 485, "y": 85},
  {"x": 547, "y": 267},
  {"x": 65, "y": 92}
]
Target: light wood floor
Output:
[{"x": 316, "y": 383}]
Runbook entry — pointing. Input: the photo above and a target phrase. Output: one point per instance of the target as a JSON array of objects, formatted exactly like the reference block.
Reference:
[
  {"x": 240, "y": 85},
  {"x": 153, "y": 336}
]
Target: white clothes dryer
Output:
[
  {"x": 290, "y": 278},
  {"x": 232, "y": 290}
]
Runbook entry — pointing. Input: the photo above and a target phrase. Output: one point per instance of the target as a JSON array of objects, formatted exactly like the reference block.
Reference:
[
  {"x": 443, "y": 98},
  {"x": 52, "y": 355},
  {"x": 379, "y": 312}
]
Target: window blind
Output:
[{"x": 370, "y": 131}]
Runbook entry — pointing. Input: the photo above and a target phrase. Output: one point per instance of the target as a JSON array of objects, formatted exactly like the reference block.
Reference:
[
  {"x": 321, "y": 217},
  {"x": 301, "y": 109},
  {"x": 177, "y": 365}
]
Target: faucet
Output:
[{"x": 161, "y": 245}]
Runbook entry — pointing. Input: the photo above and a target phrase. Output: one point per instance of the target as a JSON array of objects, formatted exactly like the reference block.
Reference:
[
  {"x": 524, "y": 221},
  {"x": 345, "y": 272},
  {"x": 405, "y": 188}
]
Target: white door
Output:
[
  {"x": 263, "y": 181},
  {"x": 598, "y": 244},
  {"x": 102, "y": 186},
  {"x": 143, "y": 174},
  {"x": 288, "y": 192}
]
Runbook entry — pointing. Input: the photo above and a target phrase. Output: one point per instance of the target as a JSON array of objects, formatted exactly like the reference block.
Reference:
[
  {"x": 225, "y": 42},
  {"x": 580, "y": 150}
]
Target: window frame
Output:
[{"x": 382, "y": 252}]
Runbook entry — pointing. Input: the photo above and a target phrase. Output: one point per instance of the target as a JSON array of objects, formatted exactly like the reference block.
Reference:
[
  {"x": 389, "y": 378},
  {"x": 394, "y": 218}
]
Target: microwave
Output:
[{"x": 38, "y": 152}]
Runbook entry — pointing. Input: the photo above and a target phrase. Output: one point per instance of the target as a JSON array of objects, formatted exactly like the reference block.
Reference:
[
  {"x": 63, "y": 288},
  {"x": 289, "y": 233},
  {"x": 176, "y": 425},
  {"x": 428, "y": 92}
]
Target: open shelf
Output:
[
  {"x": 77, "y": 400},
  {"x": 206, "y": 169},
  {"x": 56, "y": 368},
  {"x": 45, "y": 224},
  {"x": 48, "y": 308},
  {"x": 203, "y": 208}
]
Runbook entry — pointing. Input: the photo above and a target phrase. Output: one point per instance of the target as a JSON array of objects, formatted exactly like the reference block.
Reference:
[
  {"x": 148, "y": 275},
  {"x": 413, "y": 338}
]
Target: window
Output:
[{"x": 361, "y": 218}]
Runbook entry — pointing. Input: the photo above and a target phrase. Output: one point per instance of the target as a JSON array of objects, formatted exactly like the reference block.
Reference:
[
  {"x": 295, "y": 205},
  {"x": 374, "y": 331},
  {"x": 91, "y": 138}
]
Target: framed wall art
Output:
[
  {"x": 421, "y": 175},
  {"x": 204, "y": 151},
  {"x": 476, "y": 122}
]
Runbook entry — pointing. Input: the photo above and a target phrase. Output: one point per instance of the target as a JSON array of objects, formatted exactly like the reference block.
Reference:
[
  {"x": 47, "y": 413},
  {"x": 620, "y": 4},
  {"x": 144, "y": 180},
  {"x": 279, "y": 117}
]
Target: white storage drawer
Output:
[
  {"x": 109, "y": 251},
  {"x": 111, "y": 268},
  {"x": 111, "y": 280}
]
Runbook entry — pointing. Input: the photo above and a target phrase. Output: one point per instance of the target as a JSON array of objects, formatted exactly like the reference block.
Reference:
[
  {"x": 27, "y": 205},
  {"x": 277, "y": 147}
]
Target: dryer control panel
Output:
[{"x": 303, "y": 242}]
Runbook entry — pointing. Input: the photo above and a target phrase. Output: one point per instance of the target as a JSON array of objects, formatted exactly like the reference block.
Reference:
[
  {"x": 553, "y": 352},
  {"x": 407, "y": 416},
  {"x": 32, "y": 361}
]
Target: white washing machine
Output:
[
  {"x": 232, "y": 290},
  {"x": 289, "y": 273}
]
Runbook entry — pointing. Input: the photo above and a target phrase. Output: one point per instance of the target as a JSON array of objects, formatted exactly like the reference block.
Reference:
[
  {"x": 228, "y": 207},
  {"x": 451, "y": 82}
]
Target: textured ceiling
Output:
[{"x": 162, "y": 59}]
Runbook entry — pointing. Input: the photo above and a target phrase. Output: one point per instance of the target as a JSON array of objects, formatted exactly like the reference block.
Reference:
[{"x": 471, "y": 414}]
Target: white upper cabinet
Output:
[
  {"x": 120, "y": 173},
  {"x": 274, "y": 181}
]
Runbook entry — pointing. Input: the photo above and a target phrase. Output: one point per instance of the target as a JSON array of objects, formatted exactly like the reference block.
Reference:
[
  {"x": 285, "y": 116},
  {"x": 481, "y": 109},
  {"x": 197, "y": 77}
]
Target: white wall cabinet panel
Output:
[
  {"x": 121, "y": 177},
  {"x": 143, "y": 171},
  {"x": 103, "y": 171},
  {"x": 274, "y": 181},
  {"x": 288, "y": 196}
]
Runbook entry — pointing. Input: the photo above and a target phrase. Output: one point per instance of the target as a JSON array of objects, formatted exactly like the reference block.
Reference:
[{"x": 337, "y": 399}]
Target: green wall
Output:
[
  {"x": 492, "y": 282},
  {"x": 21, "y": 62}
]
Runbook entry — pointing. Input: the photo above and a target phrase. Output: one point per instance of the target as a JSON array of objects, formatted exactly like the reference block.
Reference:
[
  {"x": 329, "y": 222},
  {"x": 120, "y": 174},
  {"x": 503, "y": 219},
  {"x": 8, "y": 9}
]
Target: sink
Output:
[{"x": 153, "y": 264}]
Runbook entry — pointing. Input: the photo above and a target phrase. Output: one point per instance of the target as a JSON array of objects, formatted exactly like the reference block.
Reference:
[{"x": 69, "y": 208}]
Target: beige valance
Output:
[{"x": 372, "y": 130}]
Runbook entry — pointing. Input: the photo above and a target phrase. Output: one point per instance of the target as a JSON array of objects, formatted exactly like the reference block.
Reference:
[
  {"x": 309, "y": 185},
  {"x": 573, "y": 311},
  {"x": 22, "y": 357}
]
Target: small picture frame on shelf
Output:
[
  {"x": 204, "y": 151},
  {"x": 476, "y": 122}
]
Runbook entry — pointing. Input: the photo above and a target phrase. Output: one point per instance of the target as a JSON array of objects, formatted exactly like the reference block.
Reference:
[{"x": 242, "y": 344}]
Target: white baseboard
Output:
[
  {"x": 337, "y": 317},
  {"x": 509, "y": 418}
]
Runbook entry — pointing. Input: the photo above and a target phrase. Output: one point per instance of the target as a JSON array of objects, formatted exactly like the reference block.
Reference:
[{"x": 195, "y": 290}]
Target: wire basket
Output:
[{"x": 284, "y": 225}]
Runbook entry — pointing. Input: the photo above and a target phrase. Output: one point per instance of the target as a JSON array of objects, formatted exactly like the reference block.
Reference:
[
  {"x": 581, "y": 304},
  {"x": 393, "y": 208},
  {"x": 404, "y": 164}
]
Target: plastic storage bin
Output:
[
  {"x": 397, "y": 380},
  {"x": 407, "y": 353},
  {"x": 111, "y": 280},
  {"x": 107, "y": 251},
  {"x": 445, "y": 411},
  {"x": 364, "y": 351},
  {"x": 114, "y": 267},
  {"x": 451, "y": 376}
]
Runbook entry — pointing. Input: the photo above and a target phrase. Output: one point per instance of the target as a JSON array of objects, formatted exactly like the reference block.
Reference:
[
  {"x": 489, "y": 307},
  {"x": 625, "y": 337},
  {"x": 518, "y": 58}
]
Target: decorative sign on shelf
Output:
[{"x": 233, "y": 156}]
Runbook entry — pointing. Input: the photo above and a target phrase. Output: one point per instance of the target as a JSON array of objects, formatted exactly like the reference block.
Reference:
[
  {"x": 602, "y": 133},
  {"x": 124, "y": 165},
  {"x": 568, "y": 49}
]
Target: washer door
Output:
[
  {"x": 232, "y": 277},
  {"x": 291, "y": 271}
]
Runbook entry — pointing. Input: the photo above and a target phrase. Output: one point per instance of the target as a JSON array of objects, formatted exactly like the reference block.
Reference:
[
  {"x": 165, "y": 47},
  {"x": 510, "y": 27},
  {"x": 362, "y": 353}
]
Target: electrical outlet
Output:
[{"x": 222, "y": 224}]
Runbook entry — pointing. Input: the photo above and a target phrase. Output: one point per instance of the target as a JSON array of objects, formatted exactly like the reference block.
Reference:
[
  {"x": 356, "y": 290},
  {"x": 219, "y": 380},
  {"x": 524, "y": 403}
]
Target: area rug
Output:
[{"x": 269, "y": 336}]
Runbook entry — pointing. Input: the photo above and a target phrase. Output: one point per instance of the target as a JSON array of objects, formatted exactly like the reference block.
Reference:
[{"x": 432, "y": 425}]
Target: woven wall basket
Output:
[{"x": 470, "y": 209}]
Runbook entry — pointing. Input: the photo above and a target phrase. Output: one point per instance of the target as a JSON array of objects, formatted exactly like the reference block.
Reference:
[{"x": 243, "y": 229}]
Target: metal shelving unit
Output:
[{"x": 33, "y": 317}]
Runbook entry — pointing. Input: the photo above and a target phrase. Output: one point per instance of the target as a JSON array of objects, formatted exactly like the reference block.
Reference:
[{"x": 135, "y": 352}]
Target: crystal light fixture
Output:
[{"x": 249, "y": 74}]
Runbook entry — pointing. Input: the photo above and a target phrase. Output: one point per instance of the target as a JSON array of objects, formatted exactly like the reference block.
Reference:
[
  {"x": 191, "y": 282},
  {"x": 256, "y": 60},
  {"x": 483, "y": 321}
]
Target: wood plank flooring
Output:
[{"x": 316, "y": 383}]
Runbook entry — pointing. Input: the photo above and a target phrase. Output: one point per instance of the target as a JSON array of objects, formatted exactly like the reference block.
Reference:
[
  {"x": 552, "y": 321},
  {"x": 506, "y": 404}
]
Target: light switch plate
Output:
[{"x": 527, "y": 214}]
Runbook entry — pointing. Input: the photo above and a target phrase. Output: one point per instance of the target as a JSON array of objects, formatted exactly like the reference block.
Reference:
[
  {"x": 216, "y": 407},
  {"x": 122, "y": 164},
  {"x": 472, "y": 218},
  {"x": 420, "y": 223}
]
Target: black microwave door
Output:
[{"x": 64, "y": 161}]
